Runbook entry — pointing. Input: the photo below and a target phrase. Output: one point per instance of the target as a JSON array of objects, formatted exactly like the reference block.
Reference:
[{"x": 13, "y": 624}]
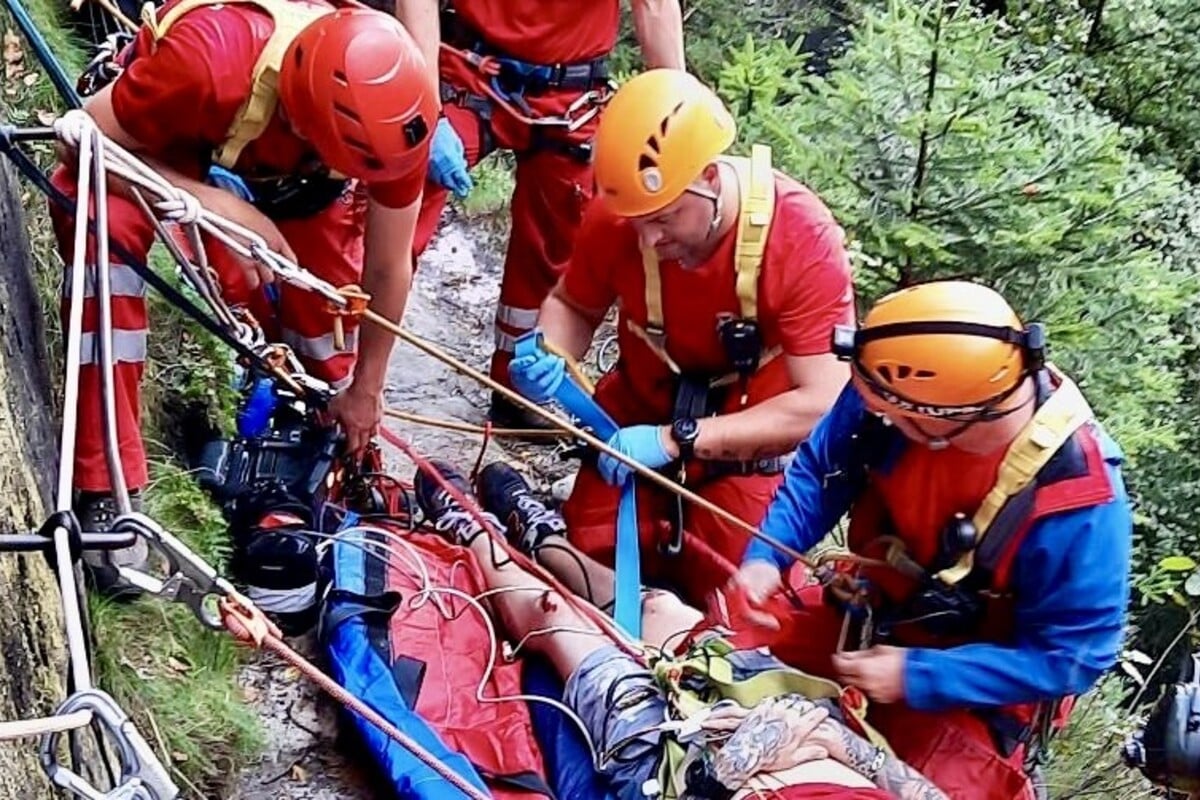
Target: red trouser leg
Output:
[
  {"x": 711, "y": 546},
  {"x": 328, "y": 244},
  {"x": 129, "y": 229},
  {"x": 552, "y": 191},
  {"x": 954, "y": 749},
  {"x": 468, "y": 126}
]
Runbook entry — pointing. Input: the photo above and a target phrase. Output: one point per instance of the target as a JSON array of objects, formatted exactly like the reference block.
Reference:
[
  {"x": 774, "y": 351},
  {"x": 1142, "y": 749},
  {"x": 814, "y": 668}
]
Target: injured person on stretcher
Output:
[{"x": 653, "y": 733}]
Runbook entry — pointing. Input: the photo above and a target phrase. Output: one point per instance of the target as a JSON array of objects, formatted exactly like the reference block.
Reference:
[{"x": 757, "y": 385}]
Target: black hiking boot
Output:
[
  {"x": 96, "y": 513},
  {"x": 445, "y": 513},
  {"x": 504, "y": 413},
  {"x": 508, "y": 495}
]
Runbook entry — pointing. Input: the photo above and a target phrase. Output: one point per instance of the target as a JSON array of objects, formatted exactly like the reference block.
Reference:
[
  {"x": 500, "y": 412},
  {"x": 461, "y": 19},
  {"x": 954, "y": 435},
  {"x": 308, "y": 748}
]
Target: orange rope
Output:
[{"x": 246, "y": 623}]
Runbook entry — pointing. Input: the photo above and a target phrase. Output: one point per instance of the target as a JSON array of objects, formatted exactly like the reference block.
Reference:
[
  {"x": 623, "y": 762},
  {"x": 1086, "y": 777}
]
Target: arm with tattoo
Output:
[
  {"x": 773, "y": 737},
  {"x": 888, "y": 772}
]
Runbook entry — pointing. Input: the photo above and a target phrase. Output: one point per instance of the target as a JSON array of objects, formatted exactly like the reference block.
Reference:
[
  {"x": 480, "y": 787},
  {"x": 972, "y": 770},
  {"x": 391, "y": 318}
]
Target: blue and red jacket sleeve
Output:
[
  {"x": 1071, "y": 580},
  {"x": 816, "y": 491}
]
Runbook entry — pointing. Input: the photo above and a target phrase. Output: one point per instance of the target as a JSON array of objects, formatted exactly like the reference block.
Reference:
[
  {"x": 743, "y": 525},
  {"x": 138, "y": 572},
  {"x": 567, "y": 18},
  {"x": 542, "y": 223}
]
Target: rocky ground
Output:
[{"x": 452, "y": 305}]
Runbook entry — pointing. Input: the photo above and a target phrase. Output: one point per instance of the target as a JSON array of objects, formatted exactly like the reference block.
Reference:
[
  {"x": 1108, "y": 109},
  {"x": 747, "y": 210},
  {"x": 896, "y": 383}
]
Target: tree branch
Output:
[
  {"x": 923, "y": 147},
  {"x": 1093, "y": 36}
]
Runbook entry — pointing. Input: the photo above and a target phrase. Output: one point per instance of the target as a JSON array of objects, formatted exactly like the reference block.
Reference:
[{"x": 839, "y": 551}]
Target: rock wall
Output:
[{"x": 32, "y": 653}]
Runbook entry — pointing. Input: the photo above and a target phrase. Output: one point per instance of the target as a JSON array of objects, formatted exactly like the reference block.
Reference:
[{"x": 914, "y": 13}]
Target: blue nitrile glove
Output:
[
  {"x": 537, "y": 376},
  {"x": 641, "y": 443},
  {"x": 224, "y": 179},
  {"x": 448, "y": 161}
]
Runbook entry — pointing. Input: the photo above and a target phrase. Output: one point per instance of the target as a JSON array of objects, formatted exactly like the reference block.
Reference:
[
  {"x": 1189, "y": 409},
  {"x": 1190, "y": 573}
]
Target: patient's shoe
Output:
[
  {"x": 447, "y": 515},
  {"x": 506, "y": 494}
]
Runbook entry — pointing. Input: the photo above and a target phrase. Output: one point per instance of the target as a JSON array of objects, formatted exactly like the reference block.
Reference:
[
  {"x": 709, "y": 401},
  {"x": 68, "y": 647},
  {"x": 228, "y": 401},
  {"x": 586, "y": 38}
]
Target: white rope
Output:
[
  {"x": 30, "y": 728},
  {"x": 184, "y": 208},
  {"x": 428, "y": 593}
]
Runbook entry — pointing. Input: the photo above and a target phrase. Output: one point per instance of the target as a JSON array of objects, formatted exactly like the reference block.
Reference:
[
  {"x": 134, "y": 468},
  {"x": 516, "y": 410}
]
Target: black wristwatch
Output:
[{"x": 685, "y": 431}]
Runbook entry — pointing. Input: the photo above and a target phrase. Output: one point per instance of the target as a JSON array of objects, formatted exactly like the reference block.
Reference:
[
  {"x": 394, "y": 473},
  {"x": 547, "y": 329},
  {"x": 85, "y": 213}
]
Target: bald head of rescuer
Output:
[
  {"x": 991, "y": 501},
  {"x": 728, "y": 276}
]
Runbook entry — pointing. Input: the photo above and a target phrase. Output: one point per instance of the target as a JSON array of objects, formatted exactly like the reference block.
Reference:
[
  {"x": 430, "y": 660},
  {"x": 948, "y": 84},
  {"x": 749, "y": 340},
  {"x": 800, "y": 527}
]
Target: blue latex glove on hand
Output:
[
  {"x": 448, "y": 161},
  {"x": 537, "y": 376},
  {"x": 641, "y": 443},
  {"x": 224, "y": 179}
]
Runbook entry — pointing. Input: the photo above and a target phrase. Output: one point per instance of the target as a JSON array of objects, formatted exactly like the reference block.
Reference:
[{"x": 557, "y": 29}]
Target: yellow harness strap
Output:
[
  {"x": 290, "y": 17},
  {"x": 756, "y": 180},
  {"x": 756, "y": 189},
  {"x": 709, "y": 661},
  {"x": 1065, "y": 412}
]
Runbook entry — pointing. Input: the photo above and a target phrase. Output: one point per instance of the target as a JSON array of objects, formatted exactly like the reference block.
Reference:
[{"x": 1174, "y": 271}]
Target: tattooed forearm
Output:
[
  {"x": 893, "y": 775},
  {"x": 751, "y": 745}
]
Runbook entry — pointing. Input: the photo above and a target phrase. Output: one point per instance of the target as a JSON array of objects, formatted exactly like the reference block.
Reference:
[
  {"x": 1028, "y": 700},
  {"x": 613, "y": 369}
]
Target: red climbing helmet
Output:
[{"x": 355, "y": 85}]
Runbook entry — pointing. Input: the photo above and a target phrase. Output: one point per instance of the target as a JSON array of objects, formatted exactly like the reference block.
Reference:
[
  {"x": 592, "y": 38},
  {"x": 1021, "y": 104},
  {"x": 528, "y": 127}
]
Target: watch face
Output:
[{"x": 686, "y": 429}]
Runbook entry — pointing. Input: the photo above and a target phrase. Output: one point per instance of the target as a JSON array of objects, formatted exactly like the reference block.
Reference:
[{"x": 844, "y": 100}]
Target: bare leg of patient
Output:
[{"x": 534, "y": 606}]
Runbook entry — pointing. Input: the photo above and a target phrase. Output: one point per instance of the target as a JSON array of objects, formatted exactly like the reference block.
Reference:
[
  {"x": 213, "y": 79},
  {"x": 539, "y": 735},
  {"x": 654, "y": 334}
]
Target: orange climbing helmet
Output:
[
  {"x": 355, "y": 86},
  {"x": 946, "y": 349},
  {"x": 657, "y": 133}
]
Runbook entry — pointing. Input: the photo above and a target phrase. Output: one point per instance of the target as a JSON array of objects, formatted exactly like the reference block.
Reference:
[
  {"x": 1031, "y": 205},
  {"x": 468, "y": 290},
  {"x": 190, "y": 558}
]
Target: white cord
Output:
[{"x": 427, "y": 592}]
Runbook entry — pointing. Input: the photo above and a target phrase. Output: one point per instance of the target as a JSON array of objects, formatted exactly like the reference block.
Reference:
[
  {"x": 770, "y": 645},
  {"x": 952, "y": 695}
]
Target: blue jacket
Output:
[{"x": 1070, "y": 579}]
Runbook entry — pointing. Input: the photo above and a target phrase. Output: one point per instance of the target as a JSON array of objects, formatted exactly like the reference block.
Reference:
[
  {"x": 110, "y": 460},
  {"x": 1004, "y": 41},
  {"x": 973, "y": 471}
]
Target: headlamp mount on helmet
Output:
[{"x": 848, "y": 340}]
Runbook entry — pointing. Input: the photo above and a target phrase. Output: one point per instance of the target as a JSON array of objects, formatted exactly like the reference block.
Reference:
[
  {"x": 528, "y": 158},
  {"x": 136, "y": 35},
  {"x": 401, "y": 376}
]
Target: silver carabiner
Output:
[
  {"x": 142, "y": 775},
  {"x": 190, "y": 579}
]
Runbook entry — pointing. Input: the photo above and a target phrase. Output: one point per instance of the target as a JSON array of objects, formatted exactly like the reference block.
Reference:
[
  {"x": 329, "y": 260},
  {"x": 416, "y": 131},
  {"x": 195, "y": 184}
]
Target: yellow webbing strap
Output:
[
  {"x": 756, "y": 188},
  {"x": 290, "y": 18},
  {"x": 709, "y": 661},
  {"x": 1051, "y": 427},
  {"x": 756, "y": 178}
]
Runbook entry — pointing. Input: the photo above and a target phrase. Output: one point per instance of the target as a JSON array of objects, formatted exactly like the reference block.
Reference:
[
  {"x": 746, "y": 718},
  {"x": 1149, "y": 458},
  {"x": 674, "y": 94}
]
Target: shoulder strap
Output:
[
  {"x": 253, "y": 117},
  {"x": 756, "y": 184},
  {"x": 1051, "y": 427},
  {"x": 160, "y": 25},
  {"x": 255, "y": 114},
  {"x": 756, "y": 179}
]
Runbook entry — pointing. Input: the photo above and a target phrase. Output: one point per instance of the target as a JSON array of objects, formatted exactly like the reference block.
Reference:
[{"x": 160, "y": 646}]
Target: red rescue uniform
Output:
[
  {"x": 553, "y": 169},
  {"x": 178, "y": 98},
  {"x": 804, "y": 289}
]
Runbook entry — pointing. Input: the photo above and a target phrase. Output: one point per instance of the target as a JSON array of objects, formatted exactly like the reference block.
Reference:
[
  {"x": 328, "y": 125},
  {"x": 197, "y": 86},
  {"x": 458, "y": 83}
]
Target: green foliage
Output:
[
  {"x": 1137, "y": 59},
  {"x": 712, "y": 29},
  {"x": 494, "y": 179},
  {"x": 1085, "y": 758}
]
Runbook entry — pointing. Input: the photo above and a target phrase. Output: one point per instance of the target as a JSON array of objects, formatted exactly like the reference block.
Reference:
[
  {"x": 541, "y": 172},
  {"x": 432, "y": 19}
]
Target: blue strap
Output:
[{"x": 627, "y": 608}]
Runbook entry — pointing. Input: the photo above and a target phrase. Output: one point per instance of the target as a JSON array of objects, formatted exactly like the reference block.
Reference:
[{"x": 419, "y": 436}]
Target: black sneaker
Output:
[
  {"x": 506, "y": 494},
  {"x": 504, "y": 413},
  {"x": 448, "y": 517},
  {"x": 97, "y": 513}
]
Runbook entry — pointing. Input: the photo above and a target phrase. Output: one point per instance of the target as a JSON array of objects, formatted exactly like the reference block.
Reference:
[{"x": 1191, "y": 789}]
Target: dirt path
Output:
[{"x": 452, "y": 304}]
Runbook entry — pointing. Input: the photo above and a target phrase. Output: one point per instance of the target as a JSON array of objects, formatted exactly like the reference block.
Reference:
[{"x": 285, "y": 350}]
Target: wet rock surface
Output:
[{"x": 451, "y": 305}]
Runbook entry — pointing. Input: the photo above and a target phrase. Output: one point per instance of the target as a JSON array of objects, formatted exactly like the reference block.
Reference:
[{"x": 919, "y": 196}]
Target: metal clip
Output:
[
  {"x": 142, "y": 775},
  {"x": 190, "y": 580}
]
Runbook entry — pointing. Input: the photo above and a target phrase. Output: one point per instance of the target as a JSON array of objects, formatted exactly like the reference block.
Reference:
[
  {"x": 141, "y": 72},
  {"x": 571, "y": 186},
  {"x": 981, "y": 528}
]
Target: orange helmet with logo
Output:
[
  {"x": 941, "y": 349},
  {"x": 657, "y": 134},
  {"x": 355, "y": 86}
]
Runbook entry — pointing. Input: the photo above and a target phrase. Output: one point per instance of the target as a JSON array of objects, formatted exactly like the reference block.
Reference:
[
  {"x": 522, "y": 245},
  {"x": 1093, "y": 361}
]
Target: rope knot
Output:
[
  {"x": 180, "y": 207},
  {"x": 355, "y": 305},
  {"x": 72, "y": 126}
]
